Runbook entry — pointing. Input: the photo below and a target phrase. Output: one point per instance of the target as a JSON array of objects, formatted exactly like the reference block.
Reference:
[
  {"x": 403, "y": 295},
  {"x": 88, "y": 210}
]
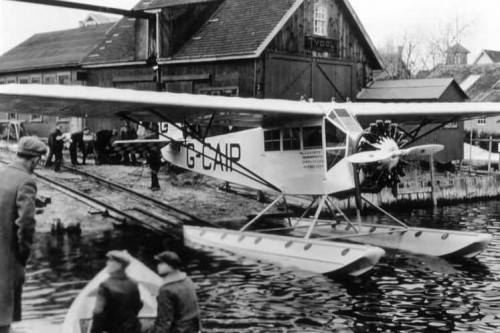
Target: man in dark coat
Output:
[
  {"x": 178, "y": 310},
  {"x": 154, "y": 161},
  {"x": 17, "y": 226},
  {"x": 56, "y": 145},
  {"x": 118, "y": 299},
  {"x": 75, "y": 144}
]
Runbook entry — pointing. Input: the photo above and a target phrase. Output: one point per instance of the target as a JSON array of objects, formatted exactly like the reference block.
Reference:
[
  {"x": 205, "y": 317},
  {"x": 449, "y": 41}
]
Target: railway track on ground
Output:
[{"x": 127, "y": 206}]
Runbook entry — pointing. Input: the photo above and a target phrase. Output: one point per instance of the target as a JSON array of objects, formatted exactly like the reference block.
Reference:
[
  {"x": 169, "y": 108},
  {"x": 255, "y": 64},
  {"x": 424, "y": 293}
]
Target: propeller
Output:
[{"x": 372, "y": 156}]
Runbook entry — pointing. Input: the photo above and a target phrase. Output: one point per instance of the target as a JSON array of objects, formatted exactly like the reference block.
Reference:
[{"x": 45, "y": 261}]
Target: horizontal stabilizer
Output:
[{"x": 138, "y": 146}]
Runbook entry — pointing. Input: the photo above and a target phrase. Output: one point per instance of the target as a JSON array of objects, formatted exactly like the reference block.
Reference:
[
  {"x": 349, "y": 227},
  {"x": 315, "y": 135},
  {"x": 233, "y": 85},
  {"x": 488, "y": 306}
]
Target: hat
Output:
[
  {"x": 121, "y": 256},
  {"x": 170, "y": 258},
  {"x": 31, "y": 146}
]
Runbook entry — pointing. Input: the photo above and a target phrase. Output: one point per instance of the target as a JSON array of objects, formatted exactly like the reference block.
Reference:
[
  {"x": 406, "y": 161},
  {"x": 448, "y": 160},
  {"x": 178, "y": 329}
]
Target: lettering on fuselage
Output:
[
  {"x": 213, "y": 159},
  {"x": 312, "y": 159}
]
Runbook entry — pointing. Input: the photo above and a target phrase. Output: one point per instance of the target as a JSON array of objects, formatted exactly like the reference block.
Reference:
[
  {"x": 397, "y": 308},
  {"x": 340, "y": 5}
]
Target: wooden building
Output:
[
  {"x": 50, "y": 58},
  {"x": 428, "y": 90},
  {"x": 290, "y": 49}
]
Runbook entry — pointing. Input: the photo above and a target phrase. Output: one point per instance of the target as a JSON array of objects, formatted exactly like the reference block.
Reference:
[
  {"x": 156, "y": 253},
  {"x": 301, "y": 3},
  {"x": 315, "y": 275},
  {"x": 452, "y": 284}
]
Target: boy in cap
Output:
[
  {"x": 118, "y": 299},
  {"x": 17, "y": 225},
  {"x": 177, "y": 302}
]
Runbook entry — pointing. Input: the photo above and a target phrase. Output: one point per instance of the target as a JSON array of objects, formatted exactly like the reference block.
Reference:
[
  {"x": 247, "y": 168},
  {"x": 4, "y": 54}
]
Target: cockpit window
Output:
[
  {"x": 312, "y": 137},
  {"x": 334, "y": 136}
]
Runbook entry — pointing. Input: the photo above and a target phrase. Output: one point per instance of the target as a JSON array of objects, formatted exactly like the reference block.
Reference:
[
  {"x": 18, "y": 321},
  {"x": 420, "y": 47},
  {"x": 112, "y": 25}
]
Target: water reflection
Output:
[{"x": 404, "y": 293}]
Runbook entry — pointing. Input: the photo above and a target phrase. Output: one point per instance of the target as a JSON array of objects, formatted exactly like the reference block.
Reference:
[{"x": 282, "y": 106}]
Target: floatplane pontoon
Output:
[{"x": 292, "y": 148}]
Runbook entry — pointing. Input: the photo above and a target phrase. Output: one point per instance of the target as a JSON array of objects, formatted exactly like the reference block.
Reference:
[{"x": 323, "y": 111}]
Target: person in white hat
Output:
[
  {"x": 17, "y": 225},
  {"x": 118, "y": 299}
]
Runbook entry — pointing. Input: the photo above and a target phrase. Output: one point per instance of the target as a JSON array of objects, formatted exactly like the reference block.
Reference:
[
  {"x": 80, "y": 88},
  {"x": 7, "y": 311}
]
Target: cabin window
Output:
[
  {"x": 63, "y": 78},
  {"x": 312, "y": 137},
  {"x": 36, "y": 79},
  {"x": 2, "y": 81},
  {"x": 24, "y": 80},
  {"x": 49, "y": 79},
  {"x": 320, "y": 19},
  {"x": 481, "y": 121},
  {"x": 291, "y": 139},
  {"x": 272, "y": 140},
  {"x": 11, "y": 80}
]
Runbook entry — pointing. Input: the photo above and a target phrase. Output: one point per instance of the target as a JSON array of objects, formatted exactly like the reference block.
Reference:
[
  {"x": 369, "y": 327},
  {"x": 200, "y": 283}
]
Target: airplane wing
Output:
[{"x": 97, "y": 102}]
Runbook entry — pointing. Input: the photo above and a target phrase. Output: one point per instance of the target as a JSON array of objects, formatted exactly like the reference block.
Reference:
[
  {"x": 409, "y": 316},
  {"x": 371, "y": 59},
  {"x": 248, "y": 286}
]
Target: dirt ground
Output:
[{"x": 192, "y": 193}]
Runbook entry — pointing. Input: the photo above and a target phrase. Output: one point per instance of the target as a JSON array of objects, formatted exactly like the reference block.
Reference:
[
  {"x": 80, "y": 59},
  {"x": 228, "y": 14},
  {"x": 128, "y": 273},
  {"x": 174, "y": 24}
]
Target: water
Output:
[{"x": 403, "y": 293}]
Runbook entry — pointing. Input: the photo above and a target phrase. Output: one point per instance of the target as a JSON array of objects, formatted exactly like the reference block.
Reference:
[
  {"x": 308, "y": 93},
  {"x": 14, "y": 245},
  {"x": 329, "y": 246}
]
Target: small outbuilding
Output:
[{"x": 425, "y": 90}]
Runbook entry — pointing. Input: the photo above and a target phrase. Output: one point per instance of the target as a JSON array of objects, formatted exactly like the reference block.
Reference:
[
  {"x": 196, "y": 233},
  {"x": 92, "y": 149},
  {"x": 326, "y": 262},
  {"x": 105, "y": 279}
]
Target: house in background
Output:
[
  {"x": 430, "y": 90},
  {"x": 482, "y": 84},
  {"x": 51, "y": 58},
  {"x": 289, "y": 49},
  {"x": 456, "y": 55},
  {"x": 487, "y": 57}
]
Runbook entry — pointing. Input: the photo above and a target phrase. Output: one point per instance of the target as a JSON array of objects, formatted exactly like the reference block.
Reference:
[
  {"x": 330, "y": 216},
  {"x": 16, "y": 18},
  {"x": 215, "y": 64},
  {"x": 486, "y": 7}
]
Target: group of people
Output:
[
  {"x": 83, "y": 140},
  {"x": 118, "y": 300}
]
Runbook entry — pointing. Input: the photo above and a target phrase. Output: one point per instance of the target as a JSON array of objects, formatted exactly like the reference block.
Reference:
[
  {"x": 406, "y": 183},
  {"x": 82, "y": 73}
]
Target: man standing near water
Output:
[{"x": 17, "y": 226}]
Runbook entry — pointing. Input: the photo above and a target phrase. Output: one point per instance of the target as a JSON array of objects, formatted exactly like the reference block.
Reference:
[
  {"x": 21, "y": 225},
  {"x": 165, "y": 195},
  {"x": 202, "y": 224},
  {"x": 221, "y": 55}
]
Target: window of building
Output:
[
  {"x": 63, "y": 78},
  {"x": 11, "y": 80},
  {"x": 12, "y": 116},
  {"x": 2, "y": 81},
  {"x": 49, "y": 79},
  {"x": 481, "y": 121},
  {"x": 36, "y": 79},
  {"x": 36, "y": 118},
  {"x": 220, "y": 91},
  {"x": 272, "y": 140},
  {"x": 24, "y": 80},
  {"x": 451, "y": 125},
  {"x": 291, "y": 139},
  {"x": 320, "y": 19},
  {"x": 312, "y": 138}
]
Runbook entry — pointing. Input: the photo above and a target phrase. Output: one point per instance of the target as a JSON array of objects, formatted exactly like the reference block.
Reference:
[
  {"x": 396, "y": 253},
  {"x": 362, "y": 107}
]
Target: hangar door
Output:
[{"x": 291, "y": 77}]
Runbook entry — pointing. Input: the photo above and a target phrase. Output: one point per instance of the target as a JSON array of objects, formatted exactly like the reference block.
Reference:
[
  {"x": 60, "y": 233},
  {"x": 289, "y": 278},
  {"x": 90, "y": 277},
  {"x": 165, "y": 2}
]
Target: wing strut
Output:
[{"x": 414, "y": 134}]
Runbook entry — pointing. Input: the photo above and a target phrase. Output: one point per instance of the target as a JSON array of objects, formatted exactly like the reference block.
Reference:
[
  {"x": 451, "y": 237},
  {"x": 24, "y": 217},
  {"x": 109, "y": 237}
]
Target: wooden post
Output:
[
  {"x": 433, "y": 197},
  {"x": 470, "y": 152},
  {"x": 489, "y": 154}
]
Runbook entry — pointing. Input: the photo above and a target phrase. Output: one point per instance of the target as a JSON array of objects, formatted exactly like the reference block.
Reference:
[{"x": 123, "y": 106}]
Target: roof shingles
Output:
[
  {"x": 238, "y": 27},
  {"x": 53, "y": 49}
]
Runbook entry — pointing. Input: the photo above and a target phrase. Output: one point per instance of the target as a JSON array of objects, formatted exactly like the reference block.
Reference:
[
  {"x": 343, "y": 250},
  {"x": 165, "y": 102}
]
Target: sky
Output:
[{"x": 384, "y": 20}]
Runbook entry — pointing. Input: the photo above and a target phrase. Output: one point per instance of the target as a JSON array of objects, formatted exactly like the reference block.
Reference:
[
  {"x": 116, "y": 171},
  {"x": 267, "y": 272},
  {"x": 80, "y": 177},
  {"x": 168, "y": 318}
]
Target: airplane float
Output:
[{"x": 292, "y": 148}]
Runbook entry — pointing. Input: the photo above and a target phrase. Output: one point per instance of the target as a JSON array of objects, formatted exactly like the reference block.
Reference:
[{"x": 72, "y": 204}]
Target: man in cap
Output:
[
  {"x": 17, "y": 225},
  {"x": 118, "y": 299},
  {"x": 177, "y": 302}
]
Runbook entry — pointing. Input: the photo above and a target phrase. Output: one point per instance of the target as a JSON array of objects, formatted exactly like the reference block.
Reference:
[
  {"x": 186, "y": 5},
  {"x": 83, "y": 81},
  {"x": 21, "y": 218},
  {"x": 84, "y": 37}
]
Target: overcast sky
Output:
[{"x": 383, "y": 19}]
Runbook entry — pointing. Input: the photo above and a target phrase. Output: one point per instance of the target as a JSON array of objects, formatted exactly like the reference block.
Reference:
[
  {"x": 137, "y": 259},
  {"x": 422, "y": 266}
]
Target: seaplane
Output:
[{"x": 319, "y": 150}]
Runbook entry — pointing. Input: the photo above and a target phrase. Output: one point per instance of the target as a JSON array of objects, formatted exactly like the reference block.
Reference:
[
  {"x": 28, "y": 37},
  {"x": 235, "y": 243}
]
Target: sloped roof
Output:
[
  {"x": 53, "y": 49},
  {"x": 482, "y": 90},
  {"x": 493, "y": 55},
  {"x": 427, "y": 89},
  {"x": 457, "y": 48},
  {"x": 154, "y": 4},
  {"x": 238, "y": 27},
  {"x": 117, "y": 46}
]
